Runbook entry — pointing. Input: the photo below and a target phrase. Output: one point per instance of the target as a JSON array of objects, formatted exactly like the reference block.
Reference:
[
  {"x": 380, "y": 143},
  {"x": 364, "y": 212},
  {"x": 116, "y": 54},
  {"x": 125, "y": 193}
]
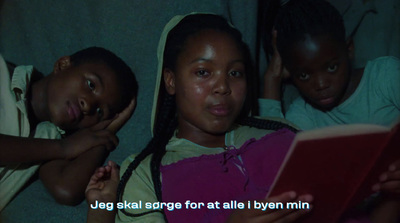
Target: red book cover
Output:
[{"x": 337, "y": 165}]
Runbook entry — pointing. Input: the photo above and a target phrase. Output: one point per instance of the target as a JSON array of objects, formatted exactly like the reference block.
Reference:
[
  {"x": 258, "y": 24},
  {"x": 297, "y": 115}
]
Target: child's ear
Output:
[
  {"x": 350, "y": 48},
  {"x": 169, "y": 81},
  {"x": 61, "y": 64}
]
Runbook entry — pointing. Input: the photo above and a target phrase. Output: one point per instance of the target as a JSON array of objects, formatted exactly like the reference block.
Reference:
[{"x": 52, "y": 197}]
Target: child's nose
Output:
[
  {"x": 87, "y": 105},
  {"x": 222, "y": 85},
  {"x": 321, "y": 82}
]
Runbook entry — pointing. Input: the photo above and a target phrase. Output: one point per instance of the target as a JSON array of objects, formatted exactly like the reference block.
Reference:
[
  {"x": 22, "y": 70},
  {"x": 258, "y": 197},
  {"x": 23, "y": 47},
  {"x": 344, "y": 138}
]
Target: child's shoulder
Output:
[
  {"x": 142, "y": 171},
  {"x": 385, "y": 62},
  {"x": 248, "y": 132},
  {"x": 243, "y": 133},
  {"x": 382, "y": 69},
  {"x": 131, "y": 158}
]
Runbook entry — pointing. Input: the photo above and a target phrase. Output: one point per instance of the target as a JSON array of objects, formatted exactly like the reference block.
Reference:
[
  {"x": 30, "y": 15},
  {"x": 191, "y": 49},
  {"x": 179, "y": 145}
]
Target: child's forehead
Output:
[
  {"x": 312, "y": 43},
  {"x": 101, "y": 69},
  {"x": 212, "y": 44},
  {"x": 209, "y": 36},
  {"x": 316, "y": 50},
  {"x": 325, "y": 37},
  {"x": 94, "y": 65}
]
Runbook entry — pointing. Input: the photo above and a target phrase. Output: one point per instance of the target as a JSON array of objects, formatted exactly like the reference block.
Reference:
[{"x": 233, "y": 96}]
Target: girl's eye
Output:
[
  {"x": 332, "y": 68},
  {"x": 90, "y": 84},
  {"x": 304, "y": 76},
  {"x": 100, "y": 112},
  {"x": 236, "y": 74},
  {"x": 202, "y": 73}
]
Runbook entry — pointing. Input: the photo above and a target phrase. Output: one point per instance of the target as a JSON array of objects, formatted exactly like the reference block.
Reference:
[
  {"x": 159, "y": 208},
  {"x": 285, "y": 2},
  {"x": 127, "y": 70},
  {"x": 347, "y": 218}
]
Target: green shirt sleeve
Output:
[{"x": 139, "y": 188}]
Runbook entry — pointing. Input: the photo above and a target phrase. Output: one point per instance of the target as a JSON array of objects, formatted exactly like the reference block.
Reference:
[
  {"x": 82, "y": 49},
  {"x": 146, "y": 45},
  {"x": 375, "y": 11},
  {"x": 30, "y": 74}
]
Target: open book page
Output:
[{"x": 340, "y": 130}]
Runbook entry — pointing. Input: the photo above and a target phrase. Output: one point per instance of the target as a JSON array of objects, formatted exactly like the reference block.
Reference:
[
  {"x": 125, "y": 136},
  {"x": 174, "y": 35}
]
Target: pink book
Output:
[{"x": 338, "y": 166}]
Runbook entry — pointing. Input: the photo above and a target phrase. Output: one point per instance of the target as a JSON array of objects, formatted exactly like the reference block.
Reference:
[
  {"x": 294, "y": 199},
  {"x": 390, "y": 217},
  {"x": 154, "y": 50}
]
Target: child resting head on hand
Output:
[{"x": 65, "y": 121}]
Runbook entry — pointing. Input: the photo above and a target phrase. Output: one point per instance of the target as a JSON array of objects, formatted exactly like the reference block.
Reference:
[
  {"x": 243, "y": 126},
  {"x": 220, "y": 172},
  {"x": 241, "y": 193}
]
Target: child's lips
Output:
[
  {"x": 326, "y": 101},
  {"x": 74, "y": 112},
  {"x": 219, "y": 110}
]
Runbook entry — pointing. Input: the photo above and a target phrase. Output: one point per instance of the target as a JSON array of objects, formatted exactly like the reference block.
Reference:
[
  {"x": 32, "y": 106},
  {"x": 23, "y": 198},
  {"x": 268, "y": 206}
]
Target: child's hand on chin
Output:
[
  {"x": 103, "y": 184},
  {"x": 272, "y": 215}
]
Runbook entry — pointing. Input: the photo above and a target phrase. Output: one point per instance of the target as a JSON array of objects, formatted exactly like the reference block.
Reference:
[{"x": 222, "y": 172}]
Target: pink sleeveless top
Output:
[{"x": 237, "y": 174}]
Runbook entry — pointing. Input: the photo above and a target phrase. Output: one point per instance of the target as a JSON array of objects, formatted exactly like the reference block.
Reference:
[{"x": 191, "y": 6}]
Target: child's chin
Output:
[{"x": 324, "y": 107}]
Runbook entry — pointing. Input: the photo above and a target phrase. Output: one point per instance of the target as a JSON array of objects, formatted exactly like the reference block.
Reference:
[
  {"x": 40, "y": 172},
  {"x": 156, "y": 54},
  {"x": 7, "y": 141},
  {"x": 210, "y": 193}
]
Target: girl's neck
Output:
[{"x": 202, "y": 138}]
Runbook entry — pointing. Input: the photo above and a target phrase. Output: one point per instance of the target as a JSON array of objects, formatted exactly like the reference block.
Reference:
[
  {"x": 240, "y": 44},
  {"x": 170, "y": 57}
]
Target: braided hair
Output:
[
  {"x": 299, "y": 18},
  {"x": 166, "y": 120}
]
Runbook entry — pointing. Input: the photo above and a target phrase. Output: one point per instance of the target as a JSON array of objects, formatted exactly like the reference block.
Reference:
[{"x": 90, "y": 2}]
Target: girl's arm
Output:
[
  {"x": 66, "y": 179},
  {"x": 32, "y": 150},
  {"x": 388, "y": 204},
  {"x": 29, "y": 150},
  {"x": 275, "y": 74},
  {"x": 270, "y": 103}
]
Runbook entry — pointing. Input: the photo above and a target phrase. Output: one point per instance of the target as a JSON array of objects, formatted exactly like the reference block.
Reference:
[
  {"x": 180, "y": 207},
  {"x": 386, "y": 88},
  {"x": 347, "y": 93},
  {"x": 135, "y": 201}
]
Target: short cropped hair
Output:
[{"x": 298, "y": 18}]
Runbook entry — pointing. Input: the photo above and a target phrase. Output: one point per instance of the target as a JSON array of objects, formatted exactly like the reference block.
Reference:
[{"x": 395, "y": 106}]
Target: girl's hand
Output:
[
  {"x": 274, "y": 215},
  {"x": 85, "y": 139},
  {"x": 276, "y": 72},
  {"x": 122, "y": 117},
  {"x": 387, "y": 208},
  {"x": 389, "y": 181},
  {"x": 103, "y": 184}
]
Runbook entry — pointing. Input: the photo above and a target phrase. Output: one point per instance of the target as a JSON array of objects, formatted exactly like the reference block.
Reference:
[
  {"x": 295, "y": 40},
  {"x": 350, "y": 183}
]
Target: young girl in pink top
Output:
[{"x": 205, "y": 148}]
